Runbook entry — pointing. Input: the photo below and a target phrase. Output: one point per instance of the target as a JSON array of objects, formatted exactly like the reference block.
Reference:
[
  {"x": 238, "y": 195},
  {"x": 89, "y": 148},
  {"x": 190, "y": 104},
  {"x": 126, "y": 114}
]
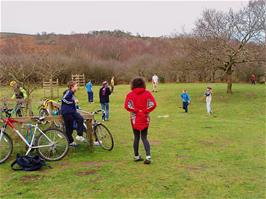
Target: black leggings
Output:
[{"x": 143, "y": 134}]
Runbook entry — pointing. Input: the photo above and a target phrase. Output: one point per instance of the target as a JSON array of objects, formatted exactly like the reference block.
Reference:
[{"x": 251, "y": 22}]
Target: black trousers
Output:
[
  {"x": 90, "y": 96},
  {"x": 185, "y": 106},
  {"x": 143, "y": 135},
  {"x": 69, "y": 119}
]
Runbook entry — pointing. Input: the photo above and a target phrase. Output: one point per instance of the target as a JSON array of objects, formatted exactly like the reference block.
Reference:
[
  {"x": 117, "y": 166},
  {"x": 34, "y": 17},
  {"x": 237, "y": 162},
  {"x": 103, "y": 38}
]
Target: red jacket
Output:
[{"x": 140, "y": 103}]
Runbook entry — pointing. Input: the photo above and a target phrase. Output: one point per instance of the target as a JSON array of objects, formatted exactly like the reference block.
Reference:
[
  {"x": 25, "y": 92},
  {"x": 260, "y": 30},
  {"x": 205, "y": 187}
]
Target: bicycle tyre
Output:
[
  {"x": 6, "y": 138},
  {"x": 103, "y": 133},
  {"x": 61, "y": 135},
  {"x": 43, "y": 113}
]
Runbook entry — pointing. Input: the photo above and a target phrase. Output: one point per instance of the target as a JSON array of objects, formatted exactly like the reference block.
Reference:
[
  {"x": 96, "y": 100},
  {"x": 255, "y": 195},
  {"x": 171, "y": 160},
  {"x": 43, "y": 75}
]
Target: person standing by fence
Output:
[
  {"x": 89, "y": 91},
  {"x": 104, "y": 94}
]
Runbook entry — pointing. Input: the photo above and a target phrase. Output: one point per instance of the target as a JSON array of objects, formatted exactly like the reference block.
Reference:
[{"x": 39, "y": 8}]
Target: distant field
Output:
[{"x": 194, "y": 155}]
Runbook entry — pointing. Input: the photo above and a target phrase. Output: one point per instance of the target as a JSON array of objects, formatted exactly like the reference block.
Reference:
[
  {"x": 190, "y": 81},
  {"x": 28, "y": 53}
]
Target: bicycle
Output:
[
  {"x": 48, "y": 107},
  {"x": 18, "y": 109},
  {"x": 51, "y": 144},
  {"x": 101, "y": 133}
]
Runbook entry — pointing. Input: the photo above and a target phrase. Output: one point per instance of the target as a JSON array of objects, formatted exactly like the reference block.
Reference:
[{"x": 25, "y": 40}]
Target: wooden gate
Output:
[
  {"x": 79, "y": 78},
  {"x": 50, "y": 89}
]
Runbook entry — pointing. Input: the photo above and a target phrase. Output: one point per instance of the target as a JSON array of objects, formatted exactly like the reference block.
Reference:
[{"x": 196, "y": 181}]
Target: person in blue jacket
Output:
[
  {"x": 185, "y": 99},
  {"x": 70, "y": 114},
  {"x": 89, "y": 91}
]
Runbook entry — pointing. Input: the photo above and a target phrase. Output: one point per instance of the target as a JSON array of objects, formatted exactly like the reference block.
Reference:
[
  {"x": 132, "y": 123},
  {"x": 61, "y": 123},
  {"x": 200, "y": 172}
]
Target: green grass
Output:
[{"x": 194, "y": 155}]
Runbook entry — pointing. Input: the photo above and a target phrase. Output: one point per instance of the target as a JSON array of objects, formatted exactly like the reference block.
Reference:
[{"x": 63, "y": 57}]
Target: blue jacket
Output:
[
  {"x": 89, "y": 87},
  {"x": 68, "y": 103},
  {"x": 185, "y": 97}
]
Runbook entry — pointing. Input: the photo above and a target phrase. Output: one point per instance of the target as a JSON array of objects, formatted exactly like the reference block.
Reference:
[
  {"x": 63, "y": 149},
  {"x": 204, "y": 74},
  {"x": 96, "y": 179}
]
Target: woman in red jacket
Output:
[{"x": 140, "y": 102}]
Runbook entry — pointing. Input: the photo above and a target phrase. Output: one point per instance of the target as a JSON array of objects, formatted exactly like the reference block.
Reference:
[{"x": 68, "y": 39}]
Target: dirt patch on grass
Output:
[
  {"x": 155, "y": 142},
  {"x": 63, "y": 164},
  {"x": 32, "y": 178},
  {"x": 207, "y": 142},
  {"x": 222, "y": 97},
  {"x": 192, "y": 167},
  {"x": 217, "y": 143},
  {"x": 92, "y": 164},
  {"x": 85, "y": 173},
  {"x": 182, "y": 157},
  {"x": 250, "y": 94},
  {"x": 207, "y": 127}
]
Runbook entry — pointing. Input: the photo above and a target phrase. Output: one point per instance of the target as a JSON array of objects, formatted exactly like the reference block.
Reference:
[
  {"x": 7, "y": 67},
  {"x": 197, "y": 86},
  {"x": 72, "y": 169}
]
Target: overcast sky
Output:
[{"x": 145, "y": 18}]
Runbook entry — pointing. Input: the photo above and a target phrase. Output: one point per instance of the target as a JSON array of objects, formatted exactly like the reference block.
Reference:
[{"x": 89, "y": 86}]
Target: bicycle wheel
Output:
[
  {"x": 43, "y": 113},
  {"x": 58, "y": 124},
  {"x": 55, "y": 150},
  {"x": 6, "y": 147},
  {"x": 104, "y": 137}
]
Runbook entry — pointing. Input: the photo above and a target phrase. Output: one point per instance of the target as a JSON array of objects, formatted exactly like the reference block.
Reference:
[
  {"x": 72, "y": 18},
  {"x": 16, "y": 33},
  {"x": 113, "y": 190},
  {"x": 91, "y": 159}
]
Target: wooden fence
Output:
[
  {"x": 79, "y": 78},
  {"x": 50, "y": 89}
]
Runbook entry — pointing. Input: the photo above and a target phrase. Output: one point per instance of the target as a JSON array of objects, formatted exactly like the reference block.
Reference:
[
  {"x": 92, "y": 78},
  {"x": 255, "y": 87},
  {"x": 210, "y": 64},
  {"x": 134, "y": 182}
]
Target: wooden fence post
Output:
[
  {"x": 57, "y": 87},
  {"x": 90, "y": 133},
  {"x": 51, "y": 89}
]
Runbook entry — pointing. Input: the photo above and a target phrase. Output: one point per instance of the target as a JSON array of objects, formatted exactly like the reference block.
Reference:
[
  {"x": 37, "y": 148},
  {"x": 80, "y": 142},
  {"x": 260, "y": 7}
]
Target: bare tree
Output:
[
  {"x": 21, "y": 69},
  {"x": 224, "y": 37},
  {"x": 49, "y": 66}
]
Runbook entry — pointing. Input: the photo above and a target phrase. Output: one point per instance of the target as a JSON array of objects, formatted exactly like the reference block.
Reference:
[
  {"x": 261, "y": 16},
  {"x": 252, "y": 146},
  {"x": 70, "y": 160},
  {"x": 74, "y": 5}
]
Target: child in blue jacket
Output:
[
  {"x": 89, "y": 91},
  {"x": 185, "y": 99}
]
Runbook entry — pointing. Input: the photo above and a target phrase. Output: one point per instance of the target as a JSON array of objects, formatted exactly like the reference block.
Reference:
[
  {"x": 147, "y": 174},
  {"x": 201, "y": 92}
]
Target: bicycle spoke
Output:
[{"x": 58, "y": 148}]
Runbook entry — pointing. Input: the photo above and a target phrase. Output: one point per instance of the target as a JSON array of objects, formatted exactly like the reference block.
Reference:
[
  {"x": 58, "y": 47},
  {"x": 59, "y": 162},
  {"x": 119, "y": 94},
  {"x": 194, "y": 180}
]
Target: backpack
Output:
[{"x": 28, "y": 163}]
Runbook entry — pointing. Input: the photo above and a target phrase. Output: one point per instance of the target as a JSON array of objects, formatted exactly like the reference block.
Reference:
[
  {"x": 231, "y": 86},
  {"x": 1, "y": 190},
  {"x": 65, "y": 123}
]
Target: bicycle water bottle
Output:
[{"x": 55, "y": 112}]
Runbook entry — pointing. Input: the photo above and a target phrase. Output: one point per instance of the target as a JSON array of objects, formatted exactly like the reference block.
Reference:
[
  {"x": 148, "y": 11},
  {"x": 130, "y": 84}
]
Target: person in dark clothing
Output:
[
  {"x": 104, "y": 94},
  {"x": 253, "y": 79},
  {"x": 70, "y": 114},
  {"x": 140, "y": 103}
]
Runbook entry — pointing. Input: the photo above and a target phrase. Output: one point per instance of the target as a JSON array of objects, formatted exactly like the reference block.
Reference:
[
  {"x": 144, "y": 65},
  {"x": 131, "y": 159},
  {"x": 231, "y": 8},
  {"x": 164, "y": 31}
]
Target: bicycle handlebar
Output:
[
  {"x": 98, "y": 111},
  {"x": 7, "y": 111}
]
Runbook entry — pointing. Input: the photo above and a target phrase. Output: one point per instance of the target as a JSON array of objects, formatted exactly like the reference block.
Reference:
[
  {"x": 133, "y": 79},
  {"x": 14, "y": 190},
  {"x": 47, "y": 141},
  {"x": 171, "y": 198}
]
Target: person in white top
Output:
[
  {"x": 155, "y": 81},
  {"x": 208, "y": 95}
]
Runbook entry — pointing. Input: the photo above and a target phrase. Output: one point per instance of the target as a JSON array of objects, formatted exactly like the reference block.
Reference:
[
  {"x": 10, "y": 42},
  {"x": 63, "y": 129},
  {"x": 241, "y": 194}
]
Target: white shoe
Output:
[
  {"x": 80, "y": 138},
  {"x": 97, "y": 143},
  {"x": 73, "y": 144}
]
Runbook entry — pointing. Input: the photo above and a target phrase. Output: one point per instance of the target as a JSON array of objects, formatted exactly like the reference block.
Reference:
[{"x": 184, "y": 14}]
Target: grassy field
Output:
[{"x": 194, "y": 155}]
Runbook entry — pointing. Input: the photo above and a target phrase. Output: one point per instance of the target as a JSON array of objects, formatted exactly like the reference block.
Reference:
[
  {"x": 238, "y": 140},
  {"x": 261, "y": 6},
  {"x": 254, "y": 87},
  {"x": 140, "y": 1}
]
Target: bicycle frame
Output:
[
  {"x": 10, "y": 122},
  {"x": 45, "y": 105}
]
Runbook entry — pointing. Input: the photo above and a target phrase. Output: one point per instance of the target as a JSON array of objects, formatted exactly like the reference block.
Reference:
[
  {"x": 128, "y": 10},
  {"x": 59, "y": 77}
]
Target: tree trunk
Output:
[{"x": 229, "y": 82}]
